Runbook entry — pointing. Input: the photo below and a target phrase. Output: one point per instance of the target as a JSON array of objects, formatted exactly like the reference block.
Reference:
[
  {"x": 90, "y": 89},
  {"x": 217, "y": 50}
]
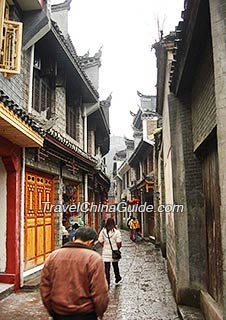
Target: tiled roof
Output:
[
  {"x": 176, "y": 51},
  {"x": 21, "y": 113},
  {"x": 71, "y": 49},
  {"x": 88, "y": 61},
  {"x": 55, "y": 134},
  {"x": 178, "y": 41},
  {"x": 106, "y": 102}
]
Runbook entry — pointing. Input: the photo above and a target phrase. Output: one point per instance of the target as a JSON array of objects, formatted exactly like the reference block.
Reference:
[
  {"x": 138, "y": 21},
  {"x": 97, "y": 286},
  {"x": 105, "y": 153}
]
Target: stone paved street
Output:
[{"x": 144, "y": 294}]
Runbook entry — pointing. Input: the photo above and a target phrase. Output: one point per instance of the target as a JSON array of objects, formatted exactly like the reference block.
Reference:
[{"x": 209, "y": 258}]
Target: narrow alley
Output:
[{"x": 144, "y": 294}]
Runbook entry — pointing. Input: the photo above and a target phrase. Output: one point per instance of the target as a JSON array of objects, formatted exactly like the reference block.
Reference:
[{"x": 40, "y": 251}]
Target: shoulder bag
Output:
[{"x": 116, "y": 254}]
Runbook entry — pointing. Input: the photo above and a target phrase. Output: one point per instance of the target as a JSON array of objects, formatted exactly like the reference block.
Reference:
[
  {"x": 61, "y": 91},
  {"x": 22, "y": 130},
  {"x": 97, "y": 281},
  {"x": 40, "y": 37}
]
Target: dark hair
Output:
[
  {"x": 75, "y": 226},
  {"x": 110, "y": 224},
  {"x": 85, "y": 234}
]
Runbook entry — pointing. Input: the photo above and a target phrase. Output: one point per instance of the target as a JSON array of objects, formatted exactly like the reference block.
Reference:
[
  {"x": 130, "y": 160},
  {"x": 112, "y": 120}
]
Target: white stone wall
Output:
[
  {"x": 91, "y": 142},
  {"x": 61, "y": 18},
  {"x": 93, "y": 74},
  {"x": 3, "y": 220},
  {"x": 167, "y": 165}
]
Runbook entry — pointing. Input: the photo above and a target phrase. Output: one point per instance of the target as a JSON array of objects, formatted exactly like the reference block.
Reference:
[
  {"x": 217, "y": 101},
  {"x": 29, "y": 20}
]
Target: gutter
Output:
[
  {"x": 90, "y": 108},
  {"x": 39, "y": 35}
]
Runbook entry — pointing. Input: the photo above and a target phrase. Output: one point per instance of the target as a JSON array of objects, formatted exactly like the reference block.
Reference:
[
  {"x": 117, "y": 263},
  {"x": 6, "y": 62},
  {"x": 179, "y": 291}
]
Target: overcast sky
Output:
[{"x": 126, "y": 29}]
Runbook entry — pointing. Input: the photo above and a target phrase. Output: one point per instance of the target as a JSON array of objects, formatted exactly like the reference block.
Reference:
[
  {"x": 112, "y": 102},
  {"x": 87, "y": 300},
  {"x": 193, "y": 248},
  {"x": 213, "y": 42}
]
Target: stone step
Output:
[
  {"x": 5, "y": 290},
  {"x": 190, "y": 313},
  {"x": 32, "y": 282}
]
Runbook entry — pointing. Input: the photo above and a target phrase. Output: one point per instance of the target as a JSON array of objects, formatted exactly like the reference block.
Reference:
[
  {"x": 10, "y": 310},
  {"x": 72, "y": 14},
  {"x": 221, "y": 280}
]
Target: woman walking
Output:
[{"x": 110, "y": 239}]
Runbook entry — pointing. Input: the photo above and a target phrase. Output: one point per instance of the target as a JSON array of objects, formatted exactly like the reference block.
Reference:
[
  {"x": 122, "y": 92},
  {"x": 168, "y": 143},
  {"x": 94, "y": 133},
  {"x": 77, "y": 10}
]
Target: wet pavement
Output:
[{"x": 144, "y": 294}]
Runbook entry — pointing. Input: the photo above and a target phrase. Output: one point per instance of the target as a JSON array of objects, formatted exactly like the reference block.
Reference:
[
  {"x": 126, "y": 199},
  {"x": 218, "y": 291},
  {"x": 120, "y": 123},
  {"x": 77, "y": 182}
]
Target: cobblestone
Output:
[{"x": 144, "y": 294}]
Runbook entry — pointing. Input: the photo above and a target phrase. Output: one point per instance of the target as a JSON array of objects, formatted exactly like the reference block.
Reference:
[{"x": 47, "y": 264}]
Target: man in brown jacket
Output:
[{"x": 73, "y": 284}]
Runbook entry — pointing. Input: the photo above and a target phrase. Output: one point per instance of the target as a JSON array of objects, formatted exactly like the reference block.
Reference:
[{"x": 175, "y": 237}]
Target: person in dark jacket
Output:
[
  {"x": 73, "y": 284},
  {"x": 72, "y": 231}
]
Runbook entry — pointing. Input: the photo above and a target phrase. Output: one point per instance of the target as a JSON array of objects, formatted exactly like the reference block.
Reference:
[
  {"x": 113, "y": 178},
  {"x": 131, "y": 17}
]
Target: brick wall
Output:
[
  {"x": 194, "y": 203},
  {"x": 151, "y": 126},
  {"x": 203, "y": 99},
  {"x": 60, "y": 110},
  {"x": 14, "y": 86},
  {"x": 91, "y": 142},
  {"x": 26, "y": 77},
  {"x": 187, "y": 190},
  {"x": 79, "y": 126}
]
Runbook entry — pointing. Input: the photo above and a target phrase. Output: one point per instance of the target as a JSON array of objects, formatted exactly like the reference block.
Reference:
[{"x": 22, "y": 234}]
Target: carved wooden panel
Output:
[{"x": 38, "y": 219}]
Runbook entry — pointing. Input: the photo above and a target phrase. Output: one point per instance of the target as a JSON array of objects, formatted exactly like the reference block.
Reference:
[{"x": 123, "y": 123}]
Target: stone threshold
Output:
[
  {"x": 5, "y": 290},
  {"x": 190, "y": 313},
  {"x": 31, "y": 282}
]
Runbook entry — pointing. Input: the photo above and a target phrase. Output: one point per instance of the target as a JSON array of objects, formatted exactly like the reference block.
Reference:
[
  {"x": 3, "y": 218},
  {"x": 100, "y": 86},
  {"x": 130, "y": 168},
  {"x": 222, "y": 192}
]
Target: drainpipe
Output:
[
  {"x": 22, "y": 218},
  {"x": 85, "y": 147},
  {"x": 29, "y": 108},
  {"x": 91, "y": 108},
  {"x": 85, "y": 195}
]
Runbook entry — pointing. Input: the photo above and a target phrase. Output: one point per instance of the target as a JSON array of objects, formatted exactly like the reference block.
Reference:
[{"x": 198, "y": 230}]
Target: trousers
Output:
[{"x": 107, "y": 266}]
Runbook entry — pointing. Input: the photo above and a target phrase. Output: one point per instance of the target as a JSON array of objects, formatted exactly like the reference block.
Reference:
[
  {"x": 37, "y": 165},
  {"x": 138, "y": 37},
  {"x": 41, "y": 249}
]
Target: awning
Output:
[{"x": 14, "y": 129}]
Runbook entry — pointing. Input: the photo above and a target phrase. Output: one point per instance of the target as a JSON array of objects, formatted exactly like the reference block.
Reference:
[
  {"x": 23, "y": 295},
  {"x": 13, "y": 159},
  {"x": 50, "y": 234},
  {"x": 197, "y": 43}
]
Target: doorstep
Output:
[
  {"x": 32, "y": 281},
  {"x": 152, "y": 239},
  {"x": 5, "y": 290},
  {"x": 190, "y": 313}
]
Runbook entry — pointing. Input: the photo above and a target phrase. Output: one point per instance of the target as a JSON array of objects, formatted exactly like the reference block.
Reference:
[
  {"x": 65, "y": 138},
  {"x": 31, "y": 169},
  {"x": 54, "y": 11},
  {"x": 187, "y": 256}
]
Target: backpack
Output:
[{"x": 134, "y": 225}]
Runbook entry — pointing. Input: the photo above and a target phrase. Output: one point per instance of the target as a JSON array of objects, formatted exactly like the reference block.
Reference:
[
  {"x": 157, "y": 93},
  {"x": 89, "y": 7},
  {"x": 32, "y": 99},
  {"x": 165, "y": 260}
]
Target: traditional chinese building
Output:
[
  {"x": 17, "y": 131},
  {"x": 53, "y": 96},
  {"x": 191, "y": 156}
]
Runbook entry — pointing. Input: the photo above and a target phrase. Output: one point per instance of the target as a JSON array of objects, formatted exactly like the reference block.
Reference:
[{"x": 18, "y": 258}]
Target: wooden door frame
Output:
[{"x": 209, "y": 155}]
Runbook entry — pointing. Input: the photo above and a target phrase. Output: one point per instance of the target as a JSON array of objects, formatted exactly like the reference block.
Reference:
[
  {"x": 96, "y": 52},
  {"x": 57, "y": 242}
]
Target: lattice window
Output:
[
  {"x": 73, "y": 102},
  {"x": 41, "y": 92},
  {"x": 71, "y": 121},
  {"x": 10, "y": 42}
]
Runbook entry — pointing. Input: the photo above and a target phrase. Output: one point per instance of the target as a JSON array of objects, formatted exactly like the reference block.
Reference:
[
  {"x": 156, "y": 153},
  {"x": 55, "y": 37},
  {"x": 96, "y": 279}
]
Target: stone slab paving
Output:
[{"x": 144, "y": 294}]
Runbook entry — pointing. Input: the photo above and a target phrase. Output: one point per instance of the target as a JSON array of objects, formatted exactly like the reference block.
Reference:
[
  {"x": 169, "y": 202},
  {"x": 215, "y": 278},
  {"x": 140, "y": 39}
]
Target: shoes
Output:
[{"x": 118, "y": 281}]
